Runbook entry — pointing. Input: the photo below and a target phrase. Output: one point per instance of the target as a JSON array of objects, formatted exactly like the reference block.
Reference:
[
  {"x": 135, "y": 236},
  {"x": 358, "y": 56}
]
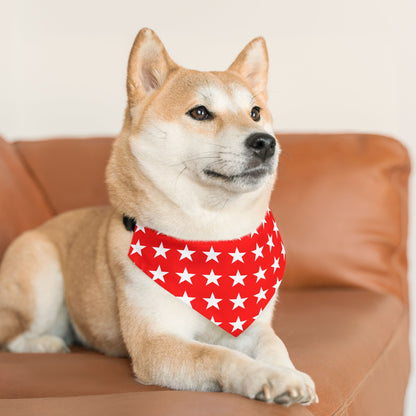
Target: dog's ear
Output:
[
  {"x": 149, "y": 66},
  {"x": 252, "y": 64}
]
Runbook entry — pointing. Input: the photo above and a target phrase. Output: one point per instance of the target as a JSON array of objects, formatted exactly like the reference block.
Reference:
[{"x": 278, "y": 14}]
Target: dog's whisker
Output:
[{"x": 179, "y": 175}]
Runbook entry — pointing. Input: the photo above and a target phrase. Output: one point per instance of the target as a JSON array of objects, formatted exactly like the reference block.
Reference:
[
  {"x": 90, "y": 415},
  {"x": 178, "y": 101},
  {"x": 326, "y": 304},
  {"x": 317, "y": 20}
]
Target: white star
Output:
[
  {"x": 283, "y": 249},
  {"x": 261, "y": 295},
  {"x": 211, "y": 255},
  {"x": 161, "y": 251},
  {"x": 238, "y": 278},
  {"x": 270, "y": 242},
  {"x": 212, "y": 301},
  {"x": 186, "y": 299},
  {"x": 186, "y": 253},
  {"x": 216, "y": 323},
  {"x": 238, "y": 302},
  {"x": 237, "y": 324},
  {"x": 275, "y": 229},
  {"x": 137, "y": 248},
  {"x": 212, "y": 278},
  {"x": 139, "y": 228},
  {"x": 260, "y": 274},
  {"x": 276, "y": 286},
  {"x": 185, "y": 276},
  {"x": 261, "y": 310},
  {"x": 237, "y": 256},
  {"x": 254, "y": 232},
  {"x": 264, "y": 221},
  {"x": 258, "y": 251},
  {"x": 276, "y": 265},
  {"x": 158, "y": 274}
]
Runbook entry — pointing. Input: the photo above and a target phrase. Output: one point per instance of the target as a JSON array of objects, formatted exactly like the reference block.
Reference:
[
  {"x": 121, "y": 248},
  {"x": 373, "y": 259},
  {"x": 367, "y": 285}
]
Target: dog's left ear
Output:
[{"x": 252, "y": 64}]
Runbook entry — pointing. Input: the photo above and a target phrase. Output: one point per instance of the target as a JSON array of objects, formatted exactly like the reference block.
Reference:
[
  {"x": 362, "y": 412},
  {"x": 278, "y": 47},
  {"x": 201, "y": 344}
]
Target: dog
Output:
[{"x": 195, "y": 162}]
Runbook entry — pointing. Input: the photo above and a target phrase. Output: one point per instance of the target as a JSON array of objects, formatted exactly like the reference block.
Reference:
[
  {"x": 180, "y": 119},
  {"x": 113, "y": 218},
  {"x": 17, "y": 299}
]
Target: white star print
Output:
[
  {"x": 276, "y": 286},
  {"x": 186, "y": 299},
  {"x": 270, "y": 242},
  {"x": 255, "y": 317},
  {"x": 212, "y": 301},
  {"x": 276, "y": 265},
  {"x": 137, "y": 248},
  {"x": 238, "y": 278},
  {"x": 212, "y": 278},
  {"x": 261, "y": 295},
  {"x": 185, "y": 276},
  {"x": 264, "y": 222},
  {"x": 254, "y": 232},
  {"x": 186, "y": 253},
  {"x": 275, "y": 229},
  {"x": 237, "y": 256},
  {"x": 139, "y": 228},
  {"x": 237, "y": 324},
  {"x": 216, "y": 323},
  {"x": 258, "y": 251},
  {"x": 158, "y": 274},
  {"x": 238, "y": 302},
  {"x": 211, "y": 255},
  {"x": 161, "y": 251},
  {"x": 283, "y": 249},
  {"x": 260, "y": 274}
]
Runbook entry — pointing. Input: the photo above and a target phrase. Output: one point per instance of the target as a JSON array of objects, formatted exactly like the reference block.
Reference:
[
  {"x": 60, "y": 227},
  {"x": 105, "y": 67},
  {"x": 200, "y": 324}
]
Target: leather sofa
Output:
[{"x": 341, "y": 204}]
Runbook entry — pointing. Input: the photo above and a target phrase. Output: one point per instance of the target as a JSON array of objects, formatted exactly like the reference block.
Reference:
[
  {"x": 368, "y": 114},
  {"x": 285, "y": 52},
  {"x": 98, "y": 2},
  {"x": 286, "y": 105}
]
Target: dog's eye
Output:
[
  {"x": 255, "y": 113},
  {"x": 200, "y": 113}
]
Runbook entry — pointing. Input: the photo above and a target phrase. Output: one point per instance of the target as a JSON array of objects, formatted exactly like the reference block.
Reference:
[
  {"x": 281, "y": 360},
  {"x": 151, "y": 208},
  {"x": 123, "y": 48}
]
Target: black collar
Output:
[{"x": 129, "y": 223}]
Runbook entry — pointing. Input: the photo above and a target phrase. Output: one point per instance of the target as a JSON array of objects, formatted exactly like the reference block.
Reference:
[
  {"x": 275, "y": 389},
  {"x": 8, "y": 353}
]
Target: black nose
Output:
[{"x": 262, "y": 145}]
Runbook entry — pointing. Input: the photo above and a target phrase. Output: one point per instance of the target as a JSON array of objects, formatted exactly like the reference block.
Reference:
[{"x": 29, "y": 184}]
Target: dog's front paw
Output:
[{"x": 282, "y": 385}]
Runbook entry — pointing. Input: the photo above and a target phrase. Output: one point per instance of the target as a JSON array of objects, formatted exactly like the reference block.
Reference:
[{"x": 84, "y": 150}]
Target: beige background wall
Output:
[{"x": 335, "y": 65}]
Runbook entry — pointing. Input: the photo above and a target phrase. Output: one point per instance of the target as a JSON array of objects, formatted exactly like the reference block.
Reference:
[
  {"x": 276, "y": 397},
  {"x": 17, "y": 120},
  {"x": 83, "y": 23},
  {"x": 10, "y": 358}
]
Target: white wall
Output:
[{"x": 335, "y": 65}]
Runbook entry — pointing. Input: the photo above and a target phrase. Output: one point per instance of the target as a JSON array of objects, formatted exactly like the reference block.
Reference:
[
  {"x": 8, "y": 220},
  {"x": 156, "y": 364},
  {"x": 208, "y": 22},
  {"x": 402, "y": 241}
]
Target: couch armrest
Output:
[
  {"x": 341, "y": 202},
  {"x": 22, "y": 204}
]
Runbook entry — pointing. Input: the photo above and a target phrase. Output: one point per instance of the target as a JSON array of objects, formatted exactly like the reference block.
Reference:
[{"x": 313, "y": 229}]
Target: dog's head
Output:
[{"x": 211, "y": 129}]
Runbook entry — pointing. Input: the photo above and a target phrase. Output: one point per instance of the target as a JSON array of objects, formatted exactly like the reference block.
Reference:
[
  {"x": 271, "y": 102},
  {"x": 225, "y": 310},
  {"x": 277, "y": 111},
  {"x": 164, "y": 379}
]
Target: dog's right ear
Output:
[{"x": 148, "y": 67}]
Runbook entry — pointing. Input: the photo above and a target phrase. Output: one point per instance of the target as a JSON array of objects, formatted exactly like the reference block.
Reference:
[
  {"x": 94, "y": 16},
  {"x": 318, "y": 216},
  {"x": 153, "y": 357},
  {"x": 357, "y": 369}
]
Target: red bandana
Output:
[{"x": 229, "y": 282}]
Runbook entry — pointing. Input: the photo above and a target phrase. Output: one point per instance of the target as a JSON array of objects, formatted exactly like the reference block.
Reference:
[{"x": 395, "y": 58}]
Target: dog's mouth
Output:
[{"x": 250, "y": 174}]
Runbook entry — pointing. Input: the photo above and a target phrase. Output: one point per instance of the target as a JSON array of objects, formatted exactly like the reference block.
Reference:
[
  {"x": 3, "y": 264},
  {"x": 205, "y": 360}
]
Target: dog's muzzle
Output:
[{"x": 262, "y": 145}]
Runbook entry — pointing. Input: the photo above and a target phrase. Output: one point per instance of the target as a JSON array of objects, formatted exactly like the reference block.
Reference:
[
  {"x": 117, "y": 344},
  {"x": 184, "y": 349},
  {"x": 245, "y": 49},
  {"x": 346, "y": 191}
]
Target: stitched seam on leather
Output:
[
  {"x": 402, "y": 246},
  {"x": 35, "y": 179},
  {"x": 398, "y": 176},
  {"x": 351, "y": 397}
]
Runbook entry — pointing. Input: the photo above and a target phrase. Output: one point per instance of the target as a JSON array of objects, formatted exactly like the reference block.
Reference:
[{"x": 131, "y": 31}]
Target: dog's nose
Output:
[{"x": 263, "y": 145}]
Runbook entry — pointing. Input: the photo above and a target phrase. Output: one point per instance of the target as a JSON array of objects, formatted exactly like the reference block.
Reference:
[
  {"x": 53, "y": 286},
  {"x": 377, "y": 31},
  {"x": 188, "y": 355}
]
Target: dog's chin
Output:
[{"x": 244, "y": 181}]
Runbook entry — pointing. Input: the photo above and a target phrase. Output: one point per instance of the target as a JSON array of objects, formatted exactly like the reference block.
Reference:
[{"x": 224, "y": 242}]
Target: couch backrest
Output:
[
  {"x": 340, "y": 202},
  {"x": 69, "y": 171}
]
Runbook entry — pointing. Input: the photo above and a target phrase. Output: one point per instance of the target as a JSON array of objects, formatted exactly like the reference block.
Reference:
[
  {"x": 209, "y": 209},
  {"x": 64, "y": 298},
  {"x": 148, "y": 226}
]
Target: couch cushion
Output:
[
  {"x": 341, "y": 205},
  {"x": 338, "y": 336},
  {"x": 22, "y": 205}
]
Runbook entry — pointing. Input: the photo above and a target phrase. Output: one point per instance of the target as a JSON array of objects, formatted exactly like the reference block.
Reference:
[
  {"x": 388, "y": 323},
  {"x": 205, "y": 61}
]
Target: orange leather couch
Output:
[{"x": 341, "y": 205}]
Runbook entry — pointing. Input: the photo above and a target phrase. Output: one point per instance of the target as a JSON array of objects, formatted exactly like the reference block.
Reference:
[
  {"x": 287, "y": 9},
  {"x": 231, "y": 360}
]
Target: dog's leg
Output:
[
  {"x": 176, "y": 362},
  {"x": 33, "y": 317},
  {"x": 260, "y": 342}
]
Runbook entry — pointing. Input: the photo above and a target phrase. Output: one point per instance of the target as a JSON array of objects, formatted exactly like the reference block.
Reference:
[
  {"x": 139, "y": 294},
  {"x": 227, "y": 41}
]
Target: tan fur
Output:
[{"x": 72, "y": 276}]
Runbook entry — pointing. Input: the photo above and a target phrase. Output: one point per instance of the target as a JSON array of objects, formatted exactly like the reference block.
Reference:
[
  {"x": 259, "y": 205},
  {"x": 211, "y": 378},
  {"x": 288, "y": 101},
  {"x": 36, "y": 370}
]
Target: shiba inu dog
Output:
[{"x": 196, "y": 161}]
